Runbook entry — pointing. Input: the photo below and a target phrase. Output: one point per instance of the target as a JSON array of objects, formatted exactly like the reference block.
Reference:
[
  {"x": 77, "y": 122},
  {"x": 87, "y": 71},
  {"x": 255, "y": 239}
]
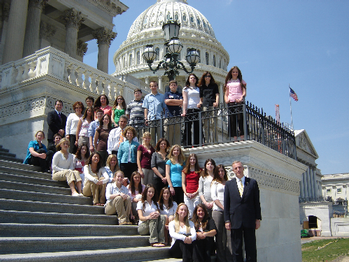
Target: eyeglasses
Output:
[
  {"x": 119, "y": 99},
  {"x": 207, "y": 76}
]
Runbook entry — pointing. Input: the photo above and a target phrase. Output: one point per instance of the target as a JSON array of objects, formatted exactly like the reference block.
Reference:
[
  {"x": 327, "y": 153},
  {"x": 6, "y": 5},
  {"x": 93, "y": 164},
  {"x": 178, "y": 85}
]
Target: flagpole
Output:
[{"x": 290, "y": 106}]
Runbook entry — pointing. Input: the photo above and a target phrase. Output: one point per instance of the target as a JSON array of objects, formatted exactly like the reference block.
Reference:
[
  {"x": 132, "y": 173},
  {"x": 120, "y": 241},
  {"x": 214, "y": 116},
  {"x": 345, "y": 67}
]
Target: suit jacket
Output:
[
  {"x": 55, "y": 123},
  {"x": 242, "y": 211}
]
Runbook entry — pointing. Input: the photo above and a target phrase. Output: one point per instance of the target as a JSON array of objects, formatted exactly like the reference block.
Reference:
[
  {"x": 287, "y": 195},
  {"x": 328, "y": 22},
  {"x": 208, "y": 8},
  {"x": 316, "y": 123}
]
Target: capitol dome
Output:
[{"x": 195, "y": 32}]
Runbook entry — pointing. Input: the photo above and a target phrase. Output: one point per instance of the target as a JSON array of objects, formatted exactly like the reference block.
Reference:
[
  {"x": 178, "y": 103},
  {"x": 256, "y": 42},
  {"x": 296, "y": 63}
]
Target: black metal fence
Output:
[{"x": 236, "y": 122}]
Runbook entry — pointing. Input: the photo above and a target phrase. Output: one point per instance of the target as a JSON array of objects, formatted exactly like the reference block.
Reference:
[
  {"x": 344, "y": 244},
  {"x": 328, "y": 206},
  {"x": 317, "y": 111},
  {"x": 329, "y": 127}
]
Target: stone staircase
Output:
[{"x": 40, "y": 221}]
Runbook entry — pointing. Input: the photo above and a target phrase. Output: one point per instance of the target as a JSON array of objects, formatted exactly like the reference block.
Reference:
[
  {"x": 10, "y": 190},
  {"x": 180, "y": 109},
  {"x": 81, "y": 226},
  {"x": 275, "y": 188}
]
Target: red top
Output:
[
  {"x": 146, "y": 156},
  {"x": 192, "y": 181}
]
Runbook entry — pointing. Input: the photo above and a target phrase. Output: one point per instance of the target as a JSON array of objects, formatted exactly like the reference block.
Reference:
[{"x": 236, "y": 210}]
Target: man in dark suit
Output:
[
  {"x": 56, "y": 122},
  {"x": 242, "y": 213}
]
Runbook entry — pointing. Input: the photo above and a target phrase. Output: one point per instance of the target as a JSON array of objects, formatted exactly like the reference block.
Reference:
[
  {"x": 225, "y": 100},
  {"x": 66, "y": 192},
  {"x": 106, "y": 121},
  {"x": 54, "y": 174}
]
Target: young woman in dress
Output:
[
  {"x": 190, "y": 183},
  {"x": 174, "y": 167},
  {"x": 63, "y": 168},
  {"x": 158, "y": 164},
  {"x": 217, "y": 195},
  {"x": 135, "y": 190},
  {"x": 80, "y": 158},
  {"x": 205, "y": 180},
  {"x": 118, "y": 200},
  {"x": 111, "y": 166},
  {"x": 37, "y": 153},
  {"x": 101, "y": 136},
  {"x": 96, "y": 179},
  {"x": 127, "y": 153},
  {"x": 72, "y": 124},
  {"x": 191, "y": 108},
  {"x": 183, "y": 233},
  {"x": 150, "y": 220},
  {"x": 83, "y": 125},
  {"x": 144, "y": 154},
  {"x": 102, "y": 102},
  {"x": 235, "y": 93},
  {"x": 118, "y": 110},
  {"x": 205, "y": 231}
]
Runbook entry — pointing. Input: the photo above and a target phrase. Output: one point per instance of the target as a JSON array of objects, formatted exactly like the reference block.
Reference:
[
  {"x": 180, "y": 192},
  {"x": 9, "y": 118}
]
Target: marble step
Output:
[
  {"x": 20, "y": 245},
  {"x": 14, "y": 216},
  {"x": 133, "y": 254},
  {"x": 32, "y": 180},
  {"x": 44, "y": 197},
  {"x": 64, "y": 230},
  {"x": 34, "y": 187},
  {"x": 39, "y": 206}
]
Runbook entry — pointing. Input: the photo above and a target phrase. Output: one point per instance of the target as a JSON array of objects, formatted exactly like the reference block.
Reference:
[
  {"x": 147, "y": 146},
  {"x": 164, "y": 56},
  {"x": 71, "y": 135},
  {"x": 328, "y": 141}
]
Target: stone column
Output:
[
  {"x": 160, "y": 83},
  {"x": 73, "y": 21},
  {"x": 32, "y": 31},
  {"x": 15, "y": 31},
  {"x": 104, "y": 37}
]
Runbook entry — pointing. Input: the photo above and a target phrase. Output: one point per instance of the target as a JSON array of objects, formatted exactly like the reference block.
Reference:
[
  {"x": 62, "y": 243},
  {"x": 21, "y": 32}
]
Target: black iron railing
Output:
[{"x": 236, "y": 122}]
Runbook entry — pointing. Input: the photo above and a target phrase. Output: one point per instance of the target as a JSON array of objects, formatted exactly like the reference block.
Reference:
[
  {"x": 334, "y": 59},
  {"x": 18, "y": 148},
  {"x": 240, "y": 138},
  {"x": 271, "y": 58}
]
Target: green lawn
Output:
[{"x": 325, "y": 250}]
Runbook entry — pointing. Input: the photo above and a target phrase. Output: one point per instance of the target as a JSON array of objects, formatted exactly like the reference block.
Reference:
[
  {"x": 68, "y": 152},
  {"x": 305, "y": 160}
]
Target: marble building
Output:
[{"x": 41, "y": 50}]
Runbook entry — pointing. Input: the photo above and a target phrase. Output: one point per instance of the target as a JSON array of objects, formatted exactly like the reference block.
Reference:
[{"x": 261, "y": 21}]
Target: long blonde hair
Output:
[
  {"x": 186, "y": 219},
  {"x": 181, "y": 157}
]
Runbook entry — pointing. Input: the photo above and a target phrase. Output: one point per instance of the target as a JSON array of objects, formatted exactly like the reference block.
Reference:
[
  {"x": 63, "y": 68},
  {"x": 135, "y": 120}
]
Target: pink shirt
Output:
[
  {"x": 107, "y": 110},
  {"x": 234, "y": 89}
]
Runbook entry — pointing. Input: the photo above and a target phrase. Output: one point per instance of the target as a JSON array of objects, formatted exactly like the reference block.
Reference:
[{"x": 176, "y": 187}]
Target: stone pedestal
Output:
[{"x": 278, "y": 176}]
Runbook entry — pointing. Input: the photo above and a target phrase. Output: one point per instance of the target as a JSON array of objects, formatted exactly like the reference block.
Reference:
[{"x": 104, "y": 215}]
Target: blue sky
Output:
[{"x": 277, "y": 43}]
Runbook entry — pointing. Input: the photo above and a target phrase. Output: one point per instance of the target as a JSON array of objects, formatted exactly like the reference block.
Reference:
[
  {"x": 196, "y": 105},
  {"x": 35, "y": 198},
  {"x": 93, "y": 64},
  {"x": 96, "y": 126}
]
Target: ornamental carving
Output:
[
  {"x": 37, "y": 3},
  {"x": 81, "y": 48},
  {"x": 47, "y": 30},
  {"x": 32, "y": 105},
  {"x": 104, "y": 35},
  {"x": 72, "y": 18}
]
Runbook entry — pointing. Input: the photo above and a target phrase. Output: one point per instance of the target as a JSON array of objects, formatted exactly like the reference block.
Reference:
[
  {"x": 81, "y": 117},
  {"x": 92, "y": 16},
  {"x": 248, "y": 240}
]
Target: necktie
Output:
[{"x": 241, "y": 187}]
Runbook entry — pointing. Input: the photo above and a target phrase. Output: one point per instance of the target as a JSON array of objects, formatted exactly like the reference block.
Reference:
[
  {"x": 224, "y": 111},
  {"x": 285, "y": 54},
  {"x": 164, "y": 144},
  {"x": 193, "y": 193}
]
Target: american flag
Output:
[{"x": 293, "y": 94}]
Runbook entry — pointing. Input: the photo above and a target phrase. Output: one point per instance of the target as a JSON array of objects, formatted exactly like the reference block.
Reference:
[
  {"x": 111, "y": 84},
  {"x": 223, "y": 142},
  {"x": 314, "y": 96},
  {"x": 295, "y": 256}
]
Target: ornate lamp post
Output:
[{"x": 171, "y": 64}]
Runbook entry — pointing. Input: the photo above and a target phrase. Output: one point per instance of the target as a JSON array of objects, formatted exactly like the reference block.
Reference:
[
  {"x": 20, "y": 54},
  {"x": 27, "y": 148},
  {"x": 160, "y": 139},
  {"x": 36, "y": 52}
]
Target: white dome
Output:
[
  {"x": 156, "y": 15},
  {"x": 195, "y": 32}
]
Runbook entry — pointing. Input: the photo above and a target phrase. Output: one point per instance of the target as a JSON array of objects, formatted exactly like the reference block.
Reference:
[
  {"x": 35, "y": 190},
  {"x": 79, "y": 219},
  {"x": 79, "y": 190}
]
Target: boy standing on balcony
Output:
[
  {"x": 154, "y": 109},
  {"x": 174, "y": 102}
]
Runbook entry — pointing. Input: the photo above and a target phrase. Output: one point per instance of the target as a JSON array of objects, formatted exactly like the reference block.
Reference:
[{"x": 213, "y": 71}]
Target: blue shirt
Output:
[
  {"x": 124, "y": 151},
  {"x": 92, "y": 129},
  {"x": 175, "y": 173},
  {"x": 155, "y": 105},
  {"x": 173, "y": 110},
  {"x": 34, "y": 144}
]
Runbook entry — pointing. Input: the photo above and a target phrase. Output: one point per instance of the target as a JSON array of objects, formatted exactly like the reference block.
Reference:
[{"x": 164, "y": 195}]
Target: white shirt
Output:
[
  {"x": 113, "y": 189},
  {"x": 148, "y": 209},
  {"x": 89, "y": 175},
  {"x": 193, "y": 97},
  {"x": 217, "y": 193},
  {"x": 60, "y": 163},
  {"x": 72, "y": 124},
  {"x": 182, "y": 230},
  {"x": 170, "y": 211}
]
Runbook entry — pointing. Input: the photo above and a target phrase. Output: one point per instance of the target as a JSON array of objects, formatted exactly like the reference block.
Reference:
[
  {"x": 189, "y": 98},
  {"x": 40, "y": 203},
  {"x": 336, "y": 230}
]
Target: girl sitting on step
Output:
[
  {"x": 150, "y": 220},
  {"x": 96, "y": 179},
  {"x": 118, "y": 200},
  {"x": 63, "y": 168},
  {"x": 37, "y": 153}
]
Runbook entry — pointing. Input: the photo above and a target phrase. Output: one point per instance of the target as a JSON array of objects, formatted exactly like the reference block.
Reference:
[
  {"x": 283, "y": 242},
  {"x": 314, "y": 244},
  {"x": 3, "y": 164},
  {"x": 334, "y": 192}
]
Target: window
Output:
[
  {"x": 214, "y": 60},
  {"x": 207, "y": 58},
  {"x": 328, "y": 190},
  {"x": 138, "y": 57},
  {"x": 339, "y": 190},
  {"x": 130, "y": 60}
]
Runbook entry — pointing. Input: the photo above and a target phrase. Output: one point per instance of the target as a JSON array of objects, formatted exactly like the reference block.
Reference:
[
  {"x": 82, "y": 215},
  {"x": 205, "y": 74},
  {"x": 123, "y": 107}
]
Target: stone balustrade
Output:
[{"x": 54, "y": 63}]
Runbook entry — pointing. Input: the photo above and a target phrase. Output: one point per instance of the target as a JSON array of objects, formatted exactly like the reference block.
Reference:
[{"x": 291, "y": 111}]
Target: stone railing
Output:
[{"x": 52, "y": 62}]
